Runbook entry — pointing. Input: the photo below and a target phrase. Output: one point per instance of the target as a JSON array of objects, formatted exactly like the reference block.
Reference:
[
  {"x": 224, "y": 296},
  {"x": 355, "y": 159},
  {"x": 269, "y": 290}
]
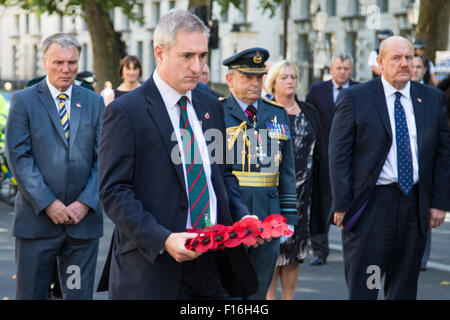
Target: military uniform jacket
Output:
[{"x": 271, "y": 155}]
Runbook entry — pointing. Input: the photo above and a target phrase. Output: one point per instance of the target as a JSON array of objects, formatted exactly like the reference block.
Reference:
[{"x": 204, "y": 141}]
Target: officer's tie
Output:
[
  {"x": 404, "y": 155},
  {"x": 196, "y": 178},
  {"x": 251, "y": 113},
  {"x": 63, "y": 114}
]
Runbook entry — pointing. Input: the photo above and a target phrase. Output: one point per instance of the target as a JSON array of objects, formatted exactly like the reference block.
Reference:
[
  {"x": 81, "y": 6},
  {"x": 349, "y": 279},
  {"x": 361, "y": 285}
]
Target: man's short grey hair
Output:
[
  {"x": 343, "y": 56},
  {"x": 174, "y": 21},
  {"x": 63, "y": 39}
]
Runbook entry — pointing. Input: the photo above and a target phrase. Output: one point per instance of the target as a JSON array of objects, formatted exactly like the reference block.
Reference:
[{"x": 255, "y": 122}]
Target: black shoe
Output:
[
  {"x": 423, "y": 268},
  {"x": 317, "y": 261}
]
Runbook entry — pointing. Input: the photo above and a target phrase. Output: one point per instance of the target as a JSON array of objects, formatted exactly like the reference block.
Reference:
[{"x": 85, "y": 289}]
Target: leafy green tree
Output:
[
  {"x": 434, "y": 24},
  {"x": 107, "y": 46}
]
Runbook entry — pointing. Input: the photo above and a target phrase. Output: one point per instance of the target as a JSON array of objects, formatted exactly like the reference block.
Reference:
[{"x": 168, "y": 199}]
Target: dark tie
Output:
[
  {"x": 339, "y": 92},
  {"x": 63, "y": 115},
  {"x": 196, "y": 178},
  {"x": 404, "y": 155},
  {"x": 251, "y": 112}
]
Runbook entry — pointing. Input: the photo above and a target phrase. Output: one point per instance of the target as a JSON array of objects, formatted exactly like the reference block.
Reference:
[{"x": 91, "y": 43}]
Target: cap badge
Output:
[{"x": 257, "y": 58}]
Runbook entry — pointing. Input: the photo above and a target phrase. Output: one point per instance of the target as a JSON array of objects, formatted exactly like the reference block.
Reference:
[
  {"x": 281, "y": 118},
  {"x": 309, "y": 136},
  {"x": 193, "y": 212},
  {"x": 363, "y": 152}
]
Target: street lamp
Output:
[
  {"x": 318, "y": 57},
  {"x": 412, "y": 13},
  {"x": 235, "y": 36},
  {"x": 319, "y": 21}
]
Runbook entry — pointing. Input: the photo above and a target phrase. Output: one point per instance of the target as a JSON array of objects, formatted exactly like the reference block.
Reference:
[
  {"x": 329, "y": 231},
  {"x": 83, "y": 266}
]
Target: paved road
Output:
[{"x": 314, "y": 283}]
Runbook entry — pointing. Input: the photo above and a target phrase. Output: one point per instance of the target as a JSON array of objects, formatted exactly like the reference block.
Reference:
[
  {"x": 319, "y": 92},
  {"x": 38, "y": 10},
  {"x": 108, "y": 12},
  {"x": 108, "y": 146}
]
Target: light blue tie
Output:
[{"x": 404, "y": 155}]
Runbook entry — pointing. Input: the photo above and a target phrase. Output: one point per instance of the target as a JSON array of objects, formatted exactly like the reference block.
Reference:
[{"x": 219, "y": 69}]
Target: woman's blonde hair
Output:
[{"x": 275, "y": 70}]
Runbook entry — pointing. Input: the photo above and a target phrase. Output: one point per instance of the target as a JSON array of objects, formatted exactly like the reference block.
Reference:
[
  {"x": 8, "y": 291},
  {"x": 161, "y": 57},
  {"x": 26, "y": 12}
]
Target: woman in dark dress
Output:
[
  {"x": 312, "y": 184},
  {"x": 130, "y": 70}
]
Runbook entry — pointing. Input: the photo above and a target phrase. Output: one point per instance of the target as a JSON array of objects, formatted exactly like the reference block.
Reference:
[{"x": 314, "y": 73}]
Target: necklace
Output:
[{"x": 292, "y": 107}]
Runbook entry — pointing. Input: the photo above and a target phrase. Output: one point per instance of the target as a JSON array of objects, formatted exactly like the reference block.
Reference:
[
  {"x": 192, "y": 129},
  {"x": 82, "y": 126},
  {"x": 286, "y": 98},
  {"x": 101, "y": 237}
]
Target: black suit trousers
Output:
[{"x": 387, "y": 238}]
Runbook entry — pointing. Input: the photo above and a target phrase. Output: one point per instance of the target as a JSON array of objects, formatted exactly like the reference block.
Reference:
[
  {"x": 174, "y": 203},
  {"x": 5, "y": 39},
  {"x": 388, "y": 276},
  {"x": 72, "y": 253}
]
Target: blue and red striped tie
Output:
[{"x": 199, "y": 202}]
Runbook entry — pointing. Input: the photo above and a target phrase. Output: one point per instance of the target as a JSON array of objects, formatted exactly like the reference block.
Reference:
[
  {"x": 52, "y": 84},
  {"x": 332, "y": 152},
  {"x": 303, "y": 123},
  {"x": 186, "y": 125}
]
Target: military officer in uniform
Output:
[{"x": 260, "y": 146}]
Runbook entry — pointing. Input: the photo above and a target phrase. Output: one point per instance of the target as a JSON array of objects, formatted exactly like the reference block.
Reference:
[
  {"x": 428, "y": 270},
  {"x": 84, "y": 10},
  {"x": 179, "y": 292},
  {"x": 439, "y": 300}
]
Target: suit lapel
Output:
[
  {"x": 161, "y": 119},
  {"x": 330, "y": 97},
  {"x": 261, "y": 115},
  {"x": 381, "y": 106},
  {"x": 50, "y": 106},
  {"x": 75, "y": 113},
  {"x": 202, "y": 112},
  {"x": 236, "y": 111},
  {"x": 418, "y": 102}
]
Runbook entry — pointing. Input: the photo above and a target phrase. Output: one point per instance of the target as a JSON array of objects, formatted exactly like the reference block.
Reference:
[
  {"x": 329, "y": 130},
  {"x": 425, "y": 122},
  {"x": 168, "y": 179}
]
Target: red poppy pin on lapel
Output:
[
  {"x": 78, "y": 105},
  {"x": 419, "y": 100},
  {"x": 207, "y": 116}
]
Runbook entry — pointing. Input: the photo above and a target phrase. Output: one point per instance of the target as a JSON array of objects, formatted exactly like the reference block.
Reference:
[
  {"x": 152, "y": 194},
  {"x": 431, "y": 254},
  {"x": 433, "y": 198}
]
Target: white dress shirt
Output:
[
  {"x": 171, "y": 97},
  {"x": 389, "y": 172},
  {"x": 55, "y": 93}
]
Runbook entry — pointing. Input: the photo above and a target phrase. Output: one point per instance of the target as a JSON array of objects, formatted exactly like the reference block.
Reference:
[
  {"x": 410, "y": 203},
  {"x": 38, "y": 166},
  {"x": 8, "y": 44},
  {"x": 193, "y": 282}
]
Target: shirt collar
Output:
[
  {"x": 55, "y": 92},
  {"x": 391, "y": 90},
  {"x": 344, "y": 86},
  {"x": 169, "y": 95},
  {"x": 244, "y": 105}
]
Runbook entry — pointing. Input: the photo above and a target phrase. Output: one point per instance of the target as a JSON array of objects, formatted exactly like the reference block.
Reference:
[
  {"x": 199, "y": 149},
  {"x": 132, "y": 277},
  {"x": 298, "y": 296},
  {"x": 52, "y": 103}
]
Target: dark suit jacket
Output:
[
  {"x": 360, "y": 140},
  {"x": 320, "y": 96},
  {"x": 47, "y": 168},
  {"x": 143, "y": 192}
]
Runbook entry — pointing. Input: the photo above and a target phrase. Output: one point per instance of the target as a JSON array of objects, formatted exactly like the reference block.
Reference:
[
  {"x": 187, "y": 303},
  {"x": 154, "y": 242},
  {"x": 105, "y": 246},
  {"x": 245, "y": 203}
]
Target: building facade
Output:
[{"x": 351, "y": 26}]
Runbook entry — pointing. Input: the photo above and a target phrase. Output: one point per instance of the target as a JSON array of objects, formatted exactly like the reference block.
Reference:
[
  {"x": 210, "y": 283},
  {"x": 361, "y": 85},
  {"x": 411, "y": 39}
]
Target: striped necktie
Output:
[
  {"x": 196, "y": 177},
  {"x": 63, "y": 114}
]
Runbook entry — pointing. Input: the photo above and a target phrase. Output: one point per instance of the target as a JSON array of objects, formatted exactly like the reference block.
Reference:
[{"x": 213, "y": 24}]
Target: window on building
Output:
[
  {"x": 383, "y": 5},
  {"x": 39, "y": 23},
  {"x": 244, "y": 11},
  {"x": 281, "y": 45},
  {"x": 156, "y": 14},
  {"x": 331, "y": 40},
  {"x": 151, "y": 61},
  {"x": 331, "y": 7},
  {"x": 27, "y": 23},
  {"x": 224, "y": 16},
  {"x": 14, "y": 62},
  {"x": 140, "y": 50},
  {"x": 350, "y": 46},
  {"x": 17, "y": 23},
  {"x": 35, "y": 61},
  {"x": 141, "y": 13},
  {"x": 61, "y": 24},
  {"x": 25, "y": 62},
  {"x": 172, "y": 4},
  {"x": 84, "y": 59},
  {"x": 305, "y": 8},
  {"x": 358, "y": 7},
  {"x": 303, "y": 48}
]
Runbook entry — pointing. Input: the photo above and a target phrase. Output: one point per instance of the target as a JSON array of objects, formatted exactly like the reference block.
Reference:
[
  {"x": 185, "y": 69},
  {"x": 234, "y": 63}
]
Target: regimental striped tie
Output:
[
  {"x": 196, "y": 178},
  {"x": 63, "y": 114}
]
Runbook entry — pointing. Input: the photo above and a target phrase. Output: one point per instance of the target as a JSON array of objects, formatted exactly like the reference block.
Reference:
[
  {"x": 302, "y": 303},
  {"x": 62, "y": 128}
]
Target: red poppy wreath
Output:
[{"x": 246, "y": 231}]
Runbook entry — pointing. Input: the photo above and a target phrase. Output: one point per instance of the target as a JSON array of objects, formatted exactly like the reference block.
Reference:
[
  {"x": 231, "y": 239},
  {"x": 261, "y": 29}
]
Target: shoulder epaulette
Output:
[
  {"x": 273, "y": 103},
  {"x": 221, "y": 99}
]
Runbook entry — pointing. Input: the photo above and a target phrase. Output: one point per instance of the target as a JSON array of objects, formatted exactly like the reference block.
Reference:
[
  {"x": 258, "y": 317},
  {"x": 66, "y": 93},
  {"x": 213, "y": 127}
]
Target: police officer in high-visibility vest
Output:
[{"x": 260, "y": 148}]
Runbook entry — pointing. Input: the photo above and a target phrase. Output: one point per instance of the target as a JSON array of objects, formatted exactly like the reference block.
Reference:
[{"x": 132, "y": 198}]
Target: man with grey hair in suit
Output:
[{"x": 51, "y": 140}]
